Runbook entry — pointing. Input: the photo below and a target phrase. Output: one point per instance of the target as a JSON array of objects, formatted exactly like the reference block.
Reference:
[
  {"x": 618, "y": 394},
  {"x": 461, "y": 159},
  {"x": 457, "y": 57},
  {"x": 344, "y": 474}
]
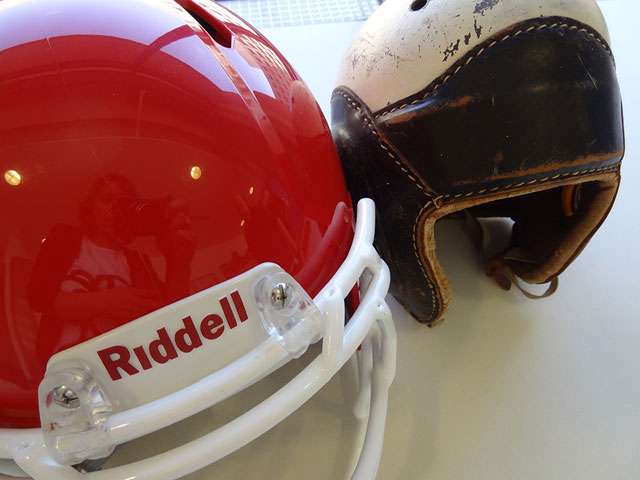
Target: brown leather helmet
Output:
[{"x": 497, "y": 108}]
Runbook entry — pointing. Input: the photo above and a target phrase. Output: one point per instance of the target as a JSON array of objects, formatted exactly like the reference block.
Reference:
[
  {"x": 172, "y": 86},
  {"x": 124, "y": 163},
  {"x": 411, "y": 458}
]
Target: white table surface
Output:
[{"x": 506, "y": 388}]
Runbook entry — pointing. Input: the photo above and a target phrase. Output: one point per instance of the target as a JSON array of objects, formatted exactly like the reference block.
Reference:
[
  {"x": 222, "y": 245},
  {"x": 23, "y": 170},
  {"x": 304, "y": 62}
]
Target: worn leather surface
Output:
[
  {"x": 405, "y": 43},
  {"x": 544, "y": 98},
  {"x": 536, "y": 103},
  {"x": 372, "y": 169}
]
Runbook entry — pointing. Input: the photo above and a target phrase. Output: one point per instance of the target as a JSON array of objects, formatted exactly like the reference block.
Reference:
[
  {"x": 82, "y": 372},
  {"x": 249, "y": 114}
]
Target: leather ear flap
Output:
[
  {"x": 547, "y": 235},
  {"x": 401, "y": 198},
  {"x": 408, "y": 246},
  {"x": 542, "y": 248}
]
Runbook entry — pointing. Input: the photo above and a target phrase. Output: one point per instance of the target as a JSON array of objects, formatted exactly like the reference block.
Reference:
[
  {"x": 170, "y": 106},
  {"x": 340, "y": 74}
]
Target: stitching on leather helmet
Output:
[
  {"x": 434, "y": 300},
  {"x": 435, "y": 201},
  {"x": 530, "y": 182},
  {"x": 370, "y": 126},
  {"x": 434, "y": 89},
  {"x": 390, "y": 154}
]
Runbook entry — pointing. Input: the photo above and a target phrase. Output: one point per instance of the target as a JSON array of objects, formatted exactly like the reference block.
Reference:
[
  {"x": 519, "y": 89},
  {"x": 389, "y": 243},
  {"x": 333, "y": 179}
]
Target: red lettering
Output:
[
  {"x": 237, "y": 301},
  {"x": 117, "y": 357},
  {"x": 168, "y": 351},
  {"x": 142, "y": 358},
  {"x": 228, "y": 313},
  {"x": 188, "y": 332},
  {"x": 209, "y": 325}
]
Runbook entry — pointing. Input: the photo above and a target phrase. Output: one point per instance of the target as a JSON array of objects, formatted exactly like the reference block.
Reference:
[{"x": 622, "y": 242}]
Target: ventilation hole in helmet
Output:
[
  {"x": 215, "y": 28},
  {"x": 418, "y": 4}
]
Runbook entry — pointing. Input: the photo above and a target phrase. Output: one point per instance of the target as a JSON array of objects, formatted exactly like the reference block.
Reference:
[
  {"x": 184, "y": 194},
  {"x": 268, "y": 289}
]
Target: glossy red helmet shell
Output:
[{"x": 173, "y": 128}]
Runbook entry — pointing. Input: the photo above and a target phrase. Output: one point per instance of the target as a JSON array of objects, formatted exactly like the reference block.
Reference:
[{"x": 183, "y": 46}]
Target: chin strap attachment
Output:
[
  {"x": 498, "y": 268},
  {"x": 505, "y": 278}
]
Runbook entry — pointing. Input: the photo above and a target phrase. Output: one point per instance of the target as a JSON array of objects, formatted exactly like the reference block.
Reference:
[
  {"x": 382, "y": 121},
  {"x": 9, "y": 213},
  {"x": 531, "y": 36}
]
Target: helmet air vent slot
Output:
[{"x": 216, "y": 28}]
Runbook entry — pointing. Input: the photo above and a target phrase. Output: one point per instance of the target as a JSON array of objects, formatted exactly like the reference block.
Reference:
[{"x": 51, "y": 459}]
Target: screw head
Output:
[
  {"x": 280, "y": 295},
  {"x": 64, "y": 397}
]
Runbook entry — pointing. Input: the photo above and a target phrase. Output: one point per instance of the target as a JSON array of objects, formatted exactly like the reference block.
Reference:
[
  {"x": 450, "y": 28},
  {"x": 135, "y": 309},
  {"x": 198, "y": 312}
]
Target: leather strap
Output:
[{"x": 498, "y": 268}]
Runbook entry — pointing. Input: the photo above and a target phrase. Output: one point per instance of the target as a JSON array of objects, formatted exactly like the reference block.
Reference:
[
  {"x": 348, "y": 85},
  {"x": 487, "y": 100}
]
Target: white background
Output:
[{"x": 506, "y": 388}]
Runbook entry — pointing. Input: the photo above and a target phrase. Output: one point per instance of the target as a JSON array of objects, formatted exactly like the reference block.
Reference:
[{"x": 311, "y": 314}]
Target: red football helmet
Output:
[{"x": 176, "y": 226}]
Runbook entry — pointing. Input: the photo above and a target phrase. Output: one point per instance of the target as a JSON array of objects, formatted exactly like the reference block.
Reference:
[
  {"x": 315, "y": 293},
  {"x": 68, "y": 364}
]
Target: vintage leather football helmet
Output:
[
  {"x": 175, "y": 227},
  {"x": 502, "y": 108}
]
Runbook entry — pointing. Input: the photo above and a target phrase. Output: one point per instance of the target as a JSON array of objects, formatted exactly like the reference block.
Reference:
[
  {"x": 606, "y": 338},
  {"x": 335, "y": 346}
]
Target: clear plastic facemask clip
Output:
[
  {"x": 287, "y": 312},
  {"x": 73, "y": 412}
]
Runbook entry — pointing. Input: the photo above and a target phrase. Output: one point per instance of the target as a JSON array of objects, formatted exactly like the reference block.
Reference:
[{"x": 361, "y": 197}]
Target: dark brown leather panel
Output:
[
  {"x": 532, "y": 109},
  {"x": 374, "y": 170},
  {"x": 546, "y": 239},
  {"x": 537, "y": 100}
]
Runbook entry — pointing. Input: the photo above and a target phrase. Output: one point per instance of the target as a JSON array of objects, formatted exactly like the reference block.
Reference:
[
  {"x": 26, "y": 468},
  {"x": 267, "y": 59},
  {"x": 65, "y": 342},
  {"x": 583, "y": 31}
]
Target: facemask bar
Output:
[{"x": 371, "y": 324}]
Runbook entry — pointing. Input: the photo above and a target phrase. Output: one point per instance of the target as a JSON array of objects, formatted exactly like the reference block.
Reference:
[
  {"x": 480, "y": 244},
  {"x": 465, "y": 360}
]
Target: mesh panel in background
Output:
[{"x": 289, "y": 13}]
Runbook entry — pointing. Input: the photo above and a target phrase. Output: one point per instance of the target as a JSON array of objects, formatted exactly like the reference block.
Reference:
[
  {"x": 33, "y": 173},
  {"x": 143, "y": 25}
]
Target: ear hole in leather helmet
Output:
[{"x": 545, "y": 232}]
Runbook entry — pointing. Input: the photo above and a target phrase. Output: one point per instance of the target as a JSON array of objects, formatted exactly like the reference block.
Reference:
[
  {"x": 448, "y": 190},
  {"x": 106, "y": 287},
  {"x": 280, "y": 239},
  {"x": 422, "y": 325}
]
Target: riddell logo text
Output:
[{"x": 116, "y": 359}]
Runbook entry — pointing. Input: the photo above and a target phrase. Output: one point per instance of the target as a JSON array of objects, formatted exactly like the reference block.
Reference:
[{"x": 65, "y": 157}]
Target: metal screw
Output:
[
  {"x": 65, "y": 397},
  {"x": 280, "y": 297}
]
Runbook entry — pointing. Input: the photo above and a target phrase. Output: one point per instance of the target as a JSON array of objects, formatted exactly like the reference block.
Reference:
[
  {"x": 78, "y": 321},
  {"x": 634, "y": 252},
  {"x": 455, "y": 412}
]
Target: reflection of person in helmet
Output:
[{"x": 93, "y": 277}]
